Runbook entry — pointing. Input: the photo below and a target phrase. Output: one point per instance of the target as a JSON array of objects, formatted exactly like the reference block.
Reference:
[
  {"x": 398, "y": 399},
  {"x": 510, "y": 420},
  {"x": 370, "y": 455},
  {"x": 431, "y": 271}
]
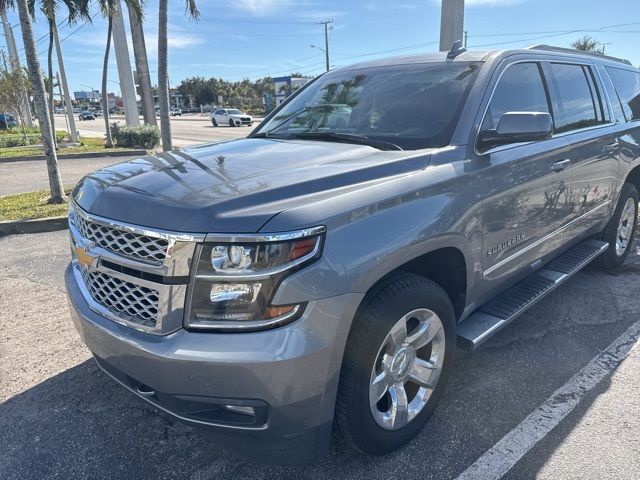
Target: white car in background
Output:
[
  {"x": 230, "y": 116},
  {"x": 175, "y": 112}
]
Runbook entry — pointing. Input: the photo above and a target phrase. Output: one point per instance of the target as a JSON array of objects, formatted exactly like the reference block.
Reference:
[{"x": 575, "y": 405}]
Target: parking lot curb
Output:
[
  {"x": 37, "y": 225},
  {"x": 116, "y": 153}
]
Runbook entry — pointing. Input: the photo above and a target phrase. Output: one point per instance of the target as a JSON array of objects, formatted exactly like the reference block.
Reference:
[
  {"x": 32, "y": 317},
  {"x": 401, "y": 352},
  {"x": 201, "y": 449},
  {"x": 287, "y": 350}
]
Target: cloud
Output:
[{"x": 261, "y": 7}]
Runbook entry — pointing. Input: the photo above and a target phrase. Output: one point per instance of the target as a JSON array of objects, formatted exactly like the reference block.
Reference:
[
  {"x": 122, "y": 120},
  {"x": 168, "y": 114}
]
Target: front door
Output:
[{"x": 526, "y": 203}]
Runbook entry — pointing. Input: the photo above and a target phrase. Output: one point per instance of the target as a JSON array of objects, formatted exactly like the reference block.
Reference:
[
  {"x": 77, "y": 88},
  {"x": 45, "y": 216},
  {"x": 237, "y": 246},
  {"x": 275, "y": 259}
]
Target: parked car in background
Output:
[
  {"x": 175, "y": 112},
  {"x": 86, "y": 115},
  {"x": 319, "y": 275},
  {"x": 97, "y": 112},
  {"x": 230, "y": 116},
  {"x": 7, "y": 121}
]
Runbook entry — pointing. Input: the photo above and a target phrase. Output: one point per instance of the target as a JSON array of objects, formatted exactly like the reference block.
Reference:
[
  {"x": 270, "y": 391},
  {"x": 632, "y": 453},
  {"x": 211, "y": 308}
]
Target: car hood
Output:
[{"x": 235, "y": 186}]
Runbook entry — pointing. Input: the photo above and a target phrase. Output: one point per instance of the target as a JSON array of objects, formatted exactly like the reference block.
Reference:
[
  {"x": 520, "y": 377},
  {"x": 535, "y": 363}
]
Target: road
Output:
[
  {"x": 63, "y": 418},
  {"x": 185, "y": 130}
]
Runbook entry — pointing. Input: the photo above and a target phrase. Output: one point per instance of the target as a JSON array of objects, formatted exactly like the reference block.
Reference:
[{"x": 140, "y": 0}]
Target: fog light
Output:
[{"x": 240, "y": 409}]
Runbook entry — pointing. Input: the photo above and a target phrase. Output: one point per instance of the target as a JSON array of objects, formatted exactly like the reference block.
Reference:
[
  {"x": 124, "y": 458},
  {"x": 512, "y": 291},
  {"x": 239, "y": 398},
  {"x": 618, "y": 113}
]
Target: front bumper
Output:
[{"x": 289, "y": 375}]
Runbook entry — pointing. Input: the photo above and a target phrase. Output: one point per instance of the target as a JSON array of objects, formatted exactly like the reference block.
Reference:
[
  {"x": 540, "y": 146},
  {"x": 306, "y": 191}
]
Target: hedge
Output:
[{"x": 144, "y": 136}]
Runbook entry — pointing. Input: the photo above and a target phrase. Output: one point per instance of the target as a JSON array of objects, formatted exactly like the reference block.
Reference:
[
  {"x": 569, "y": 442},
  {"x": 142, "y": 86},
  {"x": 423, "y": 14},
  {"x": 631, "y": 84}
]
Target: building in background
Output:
[
  {"x": 83, "y": 96},
  {"x": 285, "y": 86}
]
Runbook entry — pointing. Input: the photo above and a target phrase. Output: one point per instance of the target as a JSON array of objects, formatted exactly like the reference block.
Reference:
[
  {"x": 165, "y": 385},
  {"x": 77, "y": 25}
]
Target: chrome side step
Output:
[{"x": 499, "y": 312}]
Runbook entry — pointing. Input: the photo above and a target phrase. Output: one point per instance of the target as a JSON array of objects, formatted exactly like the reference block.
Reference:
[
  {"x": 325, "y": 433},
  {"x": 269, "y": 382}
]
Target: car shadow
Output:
[{"x": 80, "y": 424}]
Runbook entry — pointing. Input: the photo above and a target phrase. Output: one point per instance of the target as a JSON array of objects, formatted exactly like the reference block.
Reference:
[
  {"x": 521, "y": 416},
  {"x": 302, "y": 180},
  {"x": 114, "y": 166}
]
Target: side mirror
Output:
[{"x": 517, "y": 127}]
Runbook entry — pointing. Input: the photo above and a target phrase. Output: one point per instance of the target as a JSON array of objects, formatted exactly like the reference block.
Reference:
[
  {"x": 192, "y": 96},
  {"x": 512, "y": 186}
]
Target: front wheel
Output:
[
  {"x": 213, "y": 122},
  {"x": 232, "y": 123},
  {"x": 621, "y": 229},
  {"x": 397, "y": 361}
]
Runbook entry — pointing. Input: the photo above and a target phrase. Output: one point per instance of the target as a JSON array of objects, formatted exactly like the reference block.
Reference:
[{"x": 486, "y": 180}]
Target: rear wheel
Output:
[
  {"x": 397, "y": 362},
  {"x": 213, "y": 122},
  {"x": 621, "y": 229}
]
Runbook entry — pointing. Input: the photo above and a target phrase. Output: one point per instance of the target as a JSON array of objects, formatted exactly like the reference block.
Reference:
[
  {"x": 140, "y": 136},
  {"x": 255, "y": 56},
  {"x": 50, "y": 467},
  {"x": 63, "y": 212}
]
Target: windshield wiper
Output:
[{"x": 347, "y": 138}]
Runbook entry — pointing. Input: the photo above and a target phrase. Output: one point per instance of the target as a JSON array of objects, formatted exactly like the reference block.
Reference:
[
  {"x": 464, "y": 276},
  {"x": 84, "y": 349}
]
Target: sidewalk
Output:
[{"x": 31, "y": 175}]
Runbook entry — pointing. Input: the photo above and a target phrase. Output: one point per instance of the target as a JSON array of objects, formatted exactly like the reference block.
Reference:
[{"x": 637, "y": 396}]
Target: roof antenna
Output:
[{"x": 456, "y": 49}]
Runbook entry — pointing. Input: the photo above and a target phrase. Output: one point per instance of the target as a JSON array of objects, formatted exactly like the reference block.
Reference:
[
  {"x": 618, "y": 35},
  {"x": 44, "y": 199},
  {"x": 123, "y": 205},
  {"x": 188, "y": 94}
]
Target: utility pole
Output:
[
  {"x": 451, "y": 23},
  {"x": 71, "y": 122},
  {"x": 15, "y": 63},
  {"x": 326, "y": 24},
  {"x": 125, "y": 74},
  {"x": 466, "y": 37},
  {"x": 142, "y": 68}
]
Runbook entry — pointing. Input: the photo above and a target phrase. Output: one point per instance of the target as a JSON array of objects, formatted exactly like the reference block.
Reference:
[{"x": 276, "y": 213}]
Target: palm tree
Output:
[
  {"x": 77, "y": 9},
  {"x": 586, "y": 44},
  {"x": 39, "y": 98},
  {"x": 163, "y": 84},
  {"x": 109, "y": 9},
  {"x": 142, "y": 67}
]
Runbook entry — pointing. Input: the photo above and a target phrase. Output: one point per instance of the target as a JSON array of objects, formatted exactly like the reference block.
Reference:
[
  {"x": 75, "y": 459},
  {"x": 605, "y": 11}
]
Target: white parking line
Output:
[{"x": 497, "y": 461}]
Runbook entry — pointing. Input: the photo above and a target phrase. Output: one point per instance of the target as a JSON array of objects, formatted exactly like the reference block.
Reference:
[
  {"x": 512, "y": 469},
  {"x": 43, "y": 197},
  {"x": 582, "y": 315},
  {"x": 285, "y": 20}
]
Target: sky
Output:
[{"x": 237, "y": 39}]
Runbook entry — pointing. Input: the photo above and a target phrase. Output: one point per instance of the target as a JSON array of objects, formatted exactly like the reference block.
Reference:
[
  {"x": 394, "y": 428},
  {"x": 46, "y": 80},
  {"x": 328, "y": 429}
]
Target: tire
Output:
[
  {"x": 621, "y": 229},
  {"x": 232, "y": 123},
  {"x": 400, "y": 299},
  {"x": 213, "y": 122}
]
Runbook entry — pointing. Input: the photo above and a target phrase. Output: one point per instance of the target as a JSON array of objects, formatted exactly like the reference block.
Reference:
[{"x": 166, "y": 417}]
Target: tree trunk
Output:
[
  {"x": 39, "y": 95},
  {"x": 142, "y": 67},
  {"x": 105, "y": 98},
  {"x": 163, "y": 84},
  {"x": 52, "y": 23}
]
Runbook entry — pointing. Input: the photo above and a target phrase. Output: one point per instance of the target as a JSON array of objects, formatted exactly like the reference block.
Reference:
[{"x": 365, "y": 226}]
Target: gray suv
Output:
[{"x": 320, "y": 274}]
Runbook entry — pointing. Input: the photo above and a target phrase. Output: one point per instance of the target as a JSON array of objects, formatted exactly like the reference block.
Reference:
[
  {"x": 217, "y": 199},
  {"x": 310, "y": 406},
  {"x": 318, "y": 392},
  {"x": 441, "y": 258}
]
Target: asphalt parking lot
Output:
[
  {"x": 61, "y": 417},
  {"x": 186, "y": 130}
]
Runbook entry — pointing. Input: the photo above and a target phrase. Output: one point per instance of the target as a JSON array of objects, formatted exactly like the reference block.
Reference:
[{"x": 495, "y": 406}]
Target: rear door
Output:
[
  {"x": 582, "y": 116},
  {"x": 527, "y": 184}
]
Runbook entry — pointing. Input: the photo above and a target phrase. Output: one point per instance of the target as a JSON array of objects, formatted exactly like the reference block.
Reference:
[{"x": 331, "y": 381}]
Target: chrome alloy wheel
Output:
[
  {"x": 625, "y": 227},
  {"x": 407, "y": 369}
]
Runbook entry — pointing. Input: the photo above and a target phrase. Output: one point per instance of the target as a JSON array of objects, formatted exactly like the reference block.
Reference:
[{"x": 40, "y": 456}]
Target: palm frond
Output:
[{"x": 192, "y": 10}]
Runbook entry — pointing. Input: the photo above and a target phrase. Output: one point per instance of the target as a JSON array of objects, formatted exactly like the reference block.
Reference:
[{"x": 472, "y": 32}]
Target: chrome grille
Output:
[
  {"x": 122, "y": 242},
  {"x": 139, "y": 304}
]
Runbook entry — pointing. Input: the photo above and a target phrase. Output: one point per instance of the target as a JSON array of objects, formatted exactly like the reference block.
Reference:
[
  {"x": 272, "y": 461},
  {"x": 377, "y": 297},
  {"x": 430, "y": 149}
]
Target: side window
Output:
[
  {"x": 627, "y": 84},
  {"x": 520, "y": 89},
  {"x": 616, "y": 104},
  {"x": 576, "y": 105}
]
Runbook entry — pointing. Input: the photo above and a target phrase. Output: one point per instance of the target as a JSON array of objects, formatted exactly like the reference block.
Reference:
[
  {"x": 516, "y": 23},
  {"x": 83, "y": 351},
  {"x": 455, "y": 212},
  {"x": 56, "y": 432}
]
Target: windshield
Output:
[
  {"x": 412, "y": 106},
  {"x": 233, "y": 111}
]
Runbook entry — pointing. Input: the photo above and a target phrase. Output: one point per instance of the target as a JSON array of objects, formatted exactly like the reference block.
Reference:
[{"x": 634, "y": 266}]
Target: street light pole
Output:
[{"x": 451, "y": 23}]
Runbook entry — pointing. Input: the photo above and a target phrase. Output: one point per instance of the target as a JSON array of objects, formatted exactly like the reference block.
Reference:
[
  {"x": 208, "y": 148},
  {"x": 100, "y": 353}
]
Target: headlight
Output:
[{"x": 235, "y": 281}]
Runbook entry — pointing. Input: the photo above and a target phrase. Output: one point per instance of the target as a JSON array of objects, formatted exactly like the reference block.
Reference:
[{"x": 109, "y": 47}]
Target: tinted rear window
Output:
[
  {"x": 627, "y": 85},
  {"x": 576, "y": 107}
]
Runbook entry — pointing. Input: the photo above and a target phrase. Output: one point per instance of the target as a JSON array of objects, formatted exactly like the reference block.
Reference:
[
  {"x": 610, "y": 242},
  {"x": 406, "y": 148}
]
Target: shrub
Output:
[
  {"x": 14, "y": 139},
  {"x": 145, "y": 136}
]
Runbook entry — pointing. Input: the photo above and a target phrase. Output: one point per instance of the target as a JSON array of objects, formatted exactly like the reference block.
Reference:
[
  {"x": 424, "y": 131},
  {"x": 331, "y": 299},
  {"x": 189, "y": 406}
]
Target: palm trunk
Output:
[
  {"x": 52, "y": 23},
  {"x": 105, "y": 99},
  {"x": 163, "y": 85},
  {"x": 39, "y": 95},
  {"x": 142, "y": 67}
]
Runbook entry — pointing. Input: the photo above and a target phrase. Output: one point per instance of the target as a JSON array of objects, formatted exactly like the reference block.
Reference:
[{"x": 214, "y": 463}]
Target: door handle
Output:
[
  {"x": 561, "y": 165},
  {"x": 612, "y": 147}
]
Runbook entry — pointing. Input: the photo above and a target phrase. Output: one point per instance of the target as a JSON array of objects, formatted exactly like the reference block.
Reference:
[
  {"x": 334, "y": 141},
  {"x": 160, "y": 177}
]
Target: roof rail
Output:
[{"x": 551, "y": 48}]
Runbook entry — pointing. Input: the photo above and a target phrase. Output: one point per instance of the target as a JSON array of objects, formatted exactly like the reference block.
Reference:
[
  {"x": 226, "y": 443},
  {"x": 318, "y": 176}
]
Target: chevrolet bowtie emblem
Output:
[{"x": 85, "y": 259}]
